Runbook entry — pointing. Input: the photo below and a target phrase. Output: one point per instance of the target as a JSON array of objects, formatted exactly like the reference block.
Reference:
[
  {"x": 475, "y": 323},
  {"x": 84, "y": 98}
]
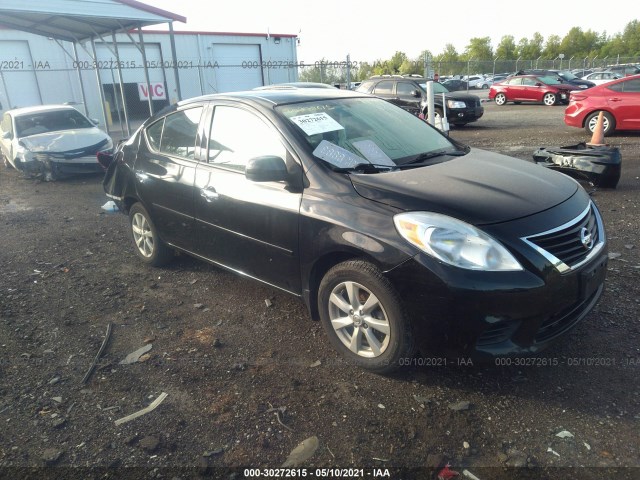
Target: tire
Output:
[
  {"x": 517, "y": 103},
  {"x": 146, "y": 242},
  {"x": 353, "y": 297},
  {"x": 549, "y": 99},
  {"x": 609, "y": 123},
  {"x": 485, "y": 86},
  {"x": 500, "y": 99}
]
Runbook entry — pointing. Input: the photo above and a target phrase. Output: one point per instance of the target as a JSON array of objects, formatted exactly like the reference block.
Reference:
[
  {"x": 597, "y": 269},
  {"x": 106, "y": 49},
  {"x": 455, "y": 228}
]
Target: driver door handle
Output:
[{"x": 209, "y": 194}]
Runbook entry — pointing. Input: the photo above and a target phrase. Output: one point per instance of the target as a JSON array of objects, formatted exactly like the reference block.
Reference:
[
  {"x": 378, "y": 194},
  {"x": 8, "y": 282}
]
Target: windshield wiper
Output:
[
  {"x": 420, "y": 159},
  {"x": 365, "y": 168}
]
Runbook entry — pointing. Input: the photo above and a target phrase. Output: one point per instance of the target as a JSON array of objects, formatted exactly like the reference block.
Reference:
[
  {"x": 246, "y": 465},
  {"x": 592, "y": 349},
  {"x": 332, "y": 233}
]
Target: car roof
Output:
[
  {"x": 270, "y": 98},
  {"x": 415, "y": 78},
  {"x": 16, "y": 112},
  {"x": 295, "y": 84}
]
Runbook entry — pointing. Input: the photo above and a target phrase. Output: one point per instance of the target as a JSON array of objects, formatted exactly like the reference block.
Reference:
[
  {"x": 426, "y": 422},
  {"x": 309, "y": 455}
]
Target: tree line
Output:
[{"x": 576, "y": 44}]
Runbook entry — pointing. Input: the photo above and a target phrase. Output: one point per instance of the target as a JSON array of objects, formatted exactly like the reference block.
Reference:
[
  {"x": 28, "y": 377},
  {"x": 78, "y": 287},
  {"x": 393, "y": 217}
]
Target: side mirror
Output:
[
  {"x": 268, "y": 168},
  {"x": 95, "y": 121},
  {"x": 415, "y": 93}
]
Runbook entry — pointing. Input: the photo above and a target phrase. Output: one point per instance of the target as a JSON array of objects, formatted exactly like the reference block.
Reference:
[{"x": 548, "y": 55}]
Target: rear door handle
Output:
[
  {"x": 209, "y": 194},
  {"x": 615, "y": 99}
]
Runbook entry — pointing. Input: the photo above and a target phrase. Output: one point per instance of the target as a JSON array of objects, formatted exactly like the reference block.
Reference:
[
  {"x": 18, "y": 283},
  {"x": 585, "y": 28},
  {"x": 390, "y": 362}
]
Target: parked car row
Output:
[{"x": 410, "y": 93}]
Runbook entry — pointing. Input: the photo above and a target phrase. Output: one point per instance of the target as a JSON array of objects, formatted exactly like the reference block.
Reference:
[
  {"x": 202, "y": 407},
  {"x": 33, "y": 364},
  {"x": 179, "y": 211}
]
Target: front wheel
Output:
[
  {"x": 363, "y": 317},
  {"x": 501, "y": 99},
  {"x": 549, "y": 99},
  {"x": 148, "y": 245}
]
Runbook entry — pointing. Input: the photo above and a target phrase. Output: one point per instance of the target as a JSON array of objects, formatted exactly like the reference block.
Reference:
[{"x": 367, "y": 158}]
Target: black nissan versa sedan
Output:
[{"x": 397, "y": 238}]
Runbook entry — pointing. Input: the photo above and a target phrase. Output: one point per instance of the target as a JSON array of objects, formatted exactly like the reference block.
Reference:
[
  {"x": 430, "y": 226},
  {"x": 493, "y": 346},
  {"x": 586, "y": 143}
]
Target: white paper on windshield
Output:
[
  {"x": 314, "y": 123},
  {"x": 372, "y": 152},
  {"x": 336, "y": 155}
]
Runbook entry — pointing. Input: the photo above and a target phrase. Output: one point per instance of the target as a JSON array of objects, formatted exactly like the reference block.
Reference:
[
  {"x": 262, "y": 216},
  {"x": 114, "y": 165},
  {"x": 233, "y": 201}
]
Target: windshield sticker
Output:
[
  {"x": 315, "y": 123},
  {"x": 372, "y": 152},
  {"x": 336, "y": 155}
]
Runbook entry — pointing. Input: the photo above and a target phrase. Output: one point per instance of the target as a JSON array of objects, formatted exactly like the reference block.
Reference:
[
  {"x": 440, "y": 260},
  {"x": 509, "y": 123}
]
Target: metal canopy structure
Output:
[{"x": 82, "y": 21}]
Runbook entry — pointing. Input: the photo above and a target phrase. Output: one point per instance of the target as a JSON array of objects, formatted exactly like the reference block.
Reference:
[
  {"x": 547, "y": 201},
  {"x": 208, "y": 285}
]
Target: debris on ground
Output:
[
  {"x": 317, "y": 363},
  {"x": 134, "y": 357},
  {"x": 144, "y": 411},
  {"x": 564, "y": 434},
  {"x": 101, "y": 350},
  {"x": 469, "y": 475},
  {"x": 463, "y": 405},
  {"x": 551, "y": 450},
  {"x": 446, "y": 473},
  {"x": 304, "y": 451}
]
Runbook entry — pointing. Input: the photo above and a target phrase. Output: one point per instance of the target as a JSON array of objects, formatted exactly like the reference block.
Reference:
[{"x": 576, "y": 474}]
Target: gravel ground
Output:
[{"x": 248, "y": 376}]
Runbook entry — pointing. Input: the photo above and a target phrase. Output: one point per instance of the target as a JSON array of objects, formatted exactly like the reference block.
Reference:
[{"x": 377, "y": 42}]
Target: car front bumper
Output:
[
  {"x": 459, "y": 116},
  {"x": 54, "y": 167},
  {"x": 484, "y": 315}
]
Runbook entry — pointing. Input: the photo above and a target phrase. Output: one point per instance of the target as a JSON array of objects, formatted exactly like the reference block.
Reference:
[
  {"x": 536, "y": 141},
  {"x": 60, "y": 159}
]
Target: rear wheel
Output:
[
  {"x": 549, "y": 99},
  {"x": 501, "y": 99},
  {"x": 148, "y": 245},
  {"x": 608, "y": 122},
  {"x": 363, "y": 317}
]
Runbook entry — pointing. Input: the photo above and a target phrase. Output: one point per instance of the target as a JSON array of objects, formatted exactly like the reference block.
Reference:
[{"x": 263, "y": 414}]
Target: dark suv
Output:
[{"x": 410, "y": 93}]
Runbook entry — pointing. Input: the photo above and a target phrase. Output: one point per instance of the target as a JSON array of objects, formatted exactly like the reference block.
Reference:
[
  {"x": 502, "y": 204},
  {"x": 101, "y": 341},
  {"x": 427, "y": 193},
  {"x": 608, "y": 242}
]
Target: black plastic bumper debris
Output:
[{"x": 599, "y": 165}]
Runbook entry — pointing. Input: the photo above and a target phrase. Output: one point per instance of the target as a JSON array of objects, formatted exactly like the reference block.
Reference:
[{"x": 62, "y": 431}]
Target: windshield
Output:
[
  {"x": 567, "y": 75},
  {"x": 550, "y": 80},
  {"x": 349, "y": 132},
  {"x": 50, "y": 121}
]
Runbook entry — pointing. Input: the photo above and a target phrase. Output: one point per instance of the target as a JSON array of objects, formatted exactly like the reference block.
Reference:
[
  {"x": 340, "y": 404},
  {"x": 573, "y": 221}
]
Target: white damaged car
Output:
[{"x": 52, "y": 141}]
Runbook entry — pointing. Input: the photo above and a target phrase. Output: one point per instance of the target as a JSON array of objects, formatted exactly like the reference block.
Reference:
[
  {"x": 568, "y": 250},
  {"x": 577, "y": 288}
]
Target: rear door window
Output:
[
  {"x": 384, "y": 88},
  {"x": 180, "y": 132}
]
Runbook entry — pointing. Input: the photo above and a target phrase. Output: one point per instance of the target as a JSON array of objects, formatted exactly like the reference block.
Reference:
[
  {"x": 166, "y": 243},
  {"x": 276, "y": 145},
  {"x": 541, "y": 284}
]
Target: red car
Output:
[
  {"x": 618, "y": 99},
  {"x": 530, "y": 88}
]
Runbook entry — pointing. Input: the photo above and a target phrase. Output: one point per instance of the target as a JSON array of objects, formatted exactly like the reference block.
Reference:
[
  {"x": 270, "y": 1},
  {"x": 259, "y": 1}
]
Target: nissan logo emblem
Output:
[{"x": 586, "y": 239}]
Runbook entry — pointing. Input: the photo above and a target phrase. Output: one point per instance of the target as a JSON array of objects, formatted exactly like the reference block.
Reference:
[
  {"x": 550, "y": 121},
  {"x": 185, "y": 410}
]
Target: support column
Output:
[
  {"x": 146, "y": 70},
  {"x": 122, "y": 97},
  {"x": 175, "y": 61},
  {"x": 102, "y": 99}
]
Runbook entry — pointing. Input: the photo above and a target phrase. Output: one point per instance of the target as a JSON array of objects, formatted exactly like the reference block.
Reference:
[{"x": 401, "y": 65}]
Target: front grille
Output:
[
  {"x": 569, "y": 245},
  {"x": 563, "y": 321}
]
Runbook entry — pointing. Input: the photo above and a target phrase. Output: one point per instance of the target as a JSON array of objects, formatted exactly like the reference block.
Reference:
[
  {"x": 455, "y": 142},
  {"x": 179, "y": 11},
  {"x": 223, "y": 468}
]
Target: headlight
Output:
[
  {"x": 455, "y": 104},
  {"x": 454, "y": 242}
]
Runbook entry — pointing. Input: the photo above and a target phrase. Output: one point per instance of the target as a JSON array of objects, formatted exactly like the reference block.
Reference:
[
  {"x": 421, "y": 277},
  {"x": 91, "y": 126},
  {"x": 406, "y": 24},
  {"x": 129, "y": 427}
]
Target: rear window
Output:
[{"x": 630, "y": 86}]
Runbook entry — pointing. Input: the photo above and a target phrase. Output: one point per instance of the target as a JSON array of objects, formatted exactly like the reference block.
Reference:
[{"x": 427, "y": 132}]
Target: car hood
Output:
[
  {"x": 480, "y": 188},
  {"x": 459, "y": 96},
  {"x": 89, "y": 140}
]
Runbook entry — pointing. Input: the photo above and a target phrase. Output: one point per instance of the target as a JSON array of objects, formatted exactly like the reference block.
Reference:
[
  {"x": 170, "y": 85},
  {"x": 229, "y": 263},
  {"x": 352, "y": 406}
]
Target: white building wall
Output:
[{"x": 35, "y": 70}]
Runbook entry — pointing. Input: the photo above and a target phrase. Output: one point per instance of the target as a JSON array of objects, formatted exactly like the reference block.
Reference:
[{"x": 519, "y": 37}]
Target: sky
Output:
[{"x": 331, "y": 29}]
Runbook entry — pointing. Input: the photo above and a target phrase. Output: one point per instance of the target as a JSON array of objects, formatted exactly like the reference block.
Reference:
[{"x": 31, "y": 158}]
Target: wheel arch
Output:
[{"x": 319, "y": 269}]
